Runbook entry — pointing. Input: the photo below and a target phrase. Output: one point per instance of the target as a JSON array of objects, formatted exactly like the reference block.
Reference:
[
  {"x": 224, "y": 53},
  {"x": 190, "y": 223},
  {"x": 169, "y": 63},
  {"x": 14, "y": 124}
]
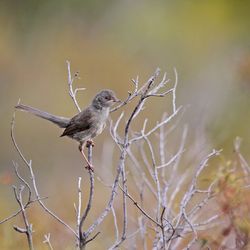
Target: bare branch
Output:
[
  {"x": 24, "y": 182},
  {"x": 28, "y": 227},
  {"x": 163, "y": 228},
  {"x": 167, "y": 120},
  {"x": 174, "y": 90},
  {"x": 73, "y": 92},
  {"x": 189, "y": 194},
  {"x": 83, "y": 236},
  {"x": 93, "y": 237},
  {"x": 11, "y": 216},
  {"x": 155, "y": 176},
  {"x": 19, "y": 211},
  {"x": 47, "y": 241},
  {"x": 29, "y": 165},
  {"x": 116, "y": 228},
  {"x": 141, "y": 209},
  {"x": 20, "y": 230},
  {"x": 243, "y": 163},
  {"x": 78, "y": 213}
]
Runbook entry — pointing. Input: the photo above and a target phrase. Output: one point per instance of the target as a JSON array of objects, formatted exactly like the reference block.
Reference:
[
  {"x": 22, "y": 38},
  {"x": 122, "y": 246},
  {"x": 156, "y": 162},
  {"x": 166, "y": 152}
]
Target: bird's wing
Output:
[{"x": 81, "y": 122}]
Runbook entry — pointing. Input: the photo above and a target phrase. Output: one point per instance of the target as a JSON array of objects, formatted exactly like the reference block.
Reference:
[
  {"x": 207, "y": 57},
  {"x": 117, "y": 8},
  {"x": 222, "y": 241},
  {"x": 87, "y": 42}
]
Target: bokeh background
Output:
[{"x": 110, "y": 42}]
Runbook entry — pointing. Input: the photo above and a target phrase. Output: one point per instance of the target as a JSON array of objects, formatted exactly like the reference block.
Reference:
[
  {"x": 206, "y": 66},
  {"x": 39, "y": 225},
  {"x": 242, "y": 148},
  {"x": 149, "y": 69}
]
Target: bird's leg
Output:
[{"x": 89, "y": 166}]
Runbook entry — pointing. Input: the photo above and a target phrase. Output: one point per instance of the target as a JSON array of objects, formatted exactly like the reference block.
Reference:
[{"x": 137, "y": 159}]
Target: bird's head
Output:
[{"x": 105, "y": 99}]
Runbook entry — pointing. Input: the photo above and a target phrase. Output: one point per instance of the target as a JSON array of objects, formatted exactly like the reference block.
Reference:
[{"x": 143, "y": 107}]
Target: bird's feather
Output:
[{"x": 79, "y": 123}]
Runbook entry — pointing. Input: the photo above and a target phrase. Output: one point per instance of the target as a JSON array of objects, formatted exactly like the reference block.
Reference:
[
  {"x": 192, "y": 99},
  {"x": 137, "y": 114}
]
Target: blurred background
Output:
[{"x": 109, "y": 43}]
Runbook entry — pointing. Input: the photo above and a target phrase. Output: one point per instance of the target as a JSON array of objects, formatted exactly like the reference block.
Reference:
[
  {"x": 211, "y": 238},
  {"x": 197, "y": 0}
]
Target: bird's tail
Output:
[{"x": 62, "y": 122}]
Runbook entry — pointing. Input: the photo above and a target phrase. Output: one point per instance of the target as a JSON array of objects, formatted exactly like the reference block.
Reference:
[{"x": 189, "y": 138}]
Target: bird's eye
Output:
[{"x": 107, "y": 97}]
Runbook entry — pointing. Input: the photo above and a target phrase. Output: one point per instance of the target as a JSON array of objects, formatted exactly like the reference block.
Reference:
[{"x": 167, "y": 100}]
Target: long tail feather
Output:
[{"x": 62, "y": 122}]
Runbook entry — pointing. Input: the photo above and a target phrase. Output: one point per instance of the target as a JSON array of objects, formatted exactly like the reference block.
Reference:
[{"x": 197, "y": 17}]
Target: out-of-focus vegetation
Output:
[{"x": 110, "y": 42}]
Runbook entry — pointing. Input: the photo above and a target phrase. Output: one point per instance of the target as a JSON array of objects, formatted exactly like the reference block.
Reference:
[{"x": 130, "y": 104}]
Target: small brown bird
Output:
[{"x": 84, "y": 126}]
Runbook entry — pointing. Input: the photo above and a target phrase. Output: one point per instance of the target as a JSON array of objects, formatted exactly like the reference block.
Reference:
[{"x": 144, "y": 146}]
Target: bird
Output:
[{"x": 84, "y": 126}]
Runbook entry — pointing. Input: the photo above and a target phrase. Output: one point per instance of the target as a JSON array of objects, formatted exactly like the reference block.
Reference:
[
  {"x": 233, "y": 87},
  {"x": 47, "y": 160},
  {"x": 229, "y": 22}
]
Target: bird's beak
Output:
[{"x": 116, "y": 99}]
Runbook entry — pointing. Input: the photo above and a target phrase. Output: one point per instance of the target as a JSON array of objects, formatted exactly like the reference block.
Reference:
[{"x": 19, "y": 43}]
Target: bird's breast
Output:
[
  {"x": 103, "y": 115},
  {"x": 101, "y": 121}
]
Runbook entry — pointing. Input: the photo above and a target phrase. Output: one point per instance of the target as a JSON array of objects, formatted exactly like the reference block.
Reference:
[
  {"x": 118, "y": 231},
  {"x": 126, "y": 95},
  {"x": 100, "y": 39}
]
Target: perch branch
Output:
[{"x": 83, "y": 236}]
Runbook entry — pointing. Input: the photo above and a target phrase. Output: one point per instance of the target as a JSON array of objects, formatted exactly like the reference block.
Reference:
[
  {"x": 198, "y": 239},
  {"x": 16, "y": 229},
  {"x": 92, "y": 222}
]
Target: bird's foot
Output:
[
  {"x": 90, "y": 143},
  {"x": 90, "y": 167}
]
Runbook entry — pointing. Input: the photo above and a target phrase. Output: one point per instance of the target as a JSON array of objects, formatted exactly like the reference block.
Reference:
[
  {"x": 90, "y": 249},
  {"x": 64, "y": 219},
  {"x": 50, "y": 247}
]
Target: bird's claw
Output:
[
  {"x": 90, "y": 143},
  {"x": 90, "y": 167}
]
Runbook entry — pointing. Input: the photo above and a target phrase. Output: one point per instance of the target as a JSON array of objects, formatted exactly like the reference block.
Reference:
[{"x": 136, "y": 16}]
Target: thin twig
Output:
[
  {"x": 140, "y": 208},
  {"x": 19, "y": 211},
  {"x": 47, "y": 241},
  {"x": 72, "y": 92},
  {"x": 29, "y": 165},
  {"x": 163, "y": 228},
  {"x": 28, "y": 227}
]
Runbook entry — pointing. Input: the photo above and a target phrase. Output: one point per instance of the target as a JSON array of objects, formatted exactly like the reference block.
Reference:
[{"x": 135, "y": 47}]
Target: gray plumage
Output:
[
  {"x": 62, "y": 122},
  {"x": 87, "y": 124}
]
